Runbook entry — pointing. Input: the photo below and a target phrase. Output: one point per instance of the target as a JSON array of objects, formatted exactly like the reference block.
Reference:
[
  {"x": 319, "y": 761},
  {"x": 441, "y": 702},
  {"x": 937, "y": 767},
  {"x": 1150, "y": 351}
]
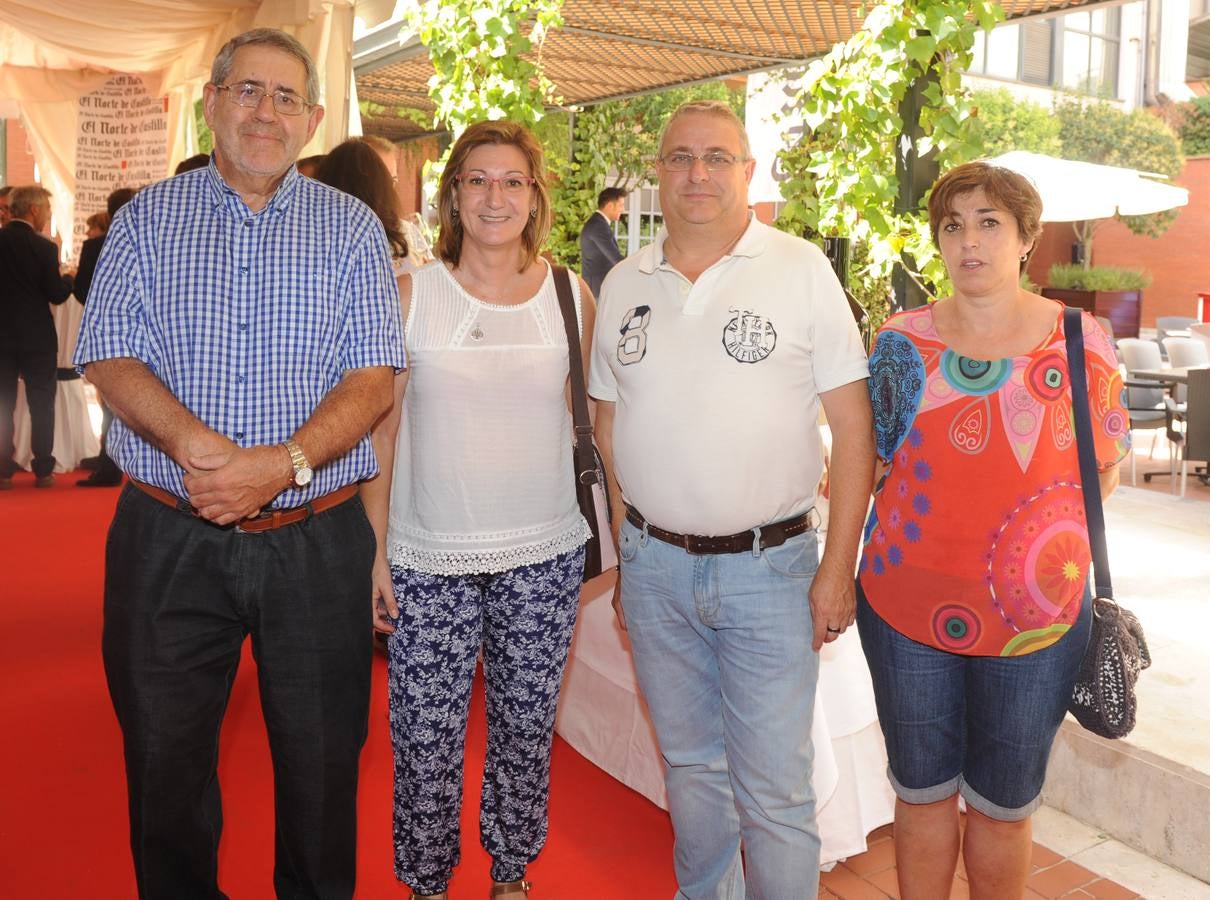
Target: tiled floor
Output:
[{"x": 872, "y": 876}]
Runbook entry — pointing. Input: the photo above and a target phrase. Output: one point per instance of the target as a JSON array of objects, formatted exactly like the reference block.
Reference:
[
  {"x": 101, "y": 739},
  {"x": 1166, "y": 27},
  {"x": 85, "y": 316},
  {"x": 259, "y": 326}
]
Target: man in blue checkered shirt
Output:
[{"x": 244, "y": 325}]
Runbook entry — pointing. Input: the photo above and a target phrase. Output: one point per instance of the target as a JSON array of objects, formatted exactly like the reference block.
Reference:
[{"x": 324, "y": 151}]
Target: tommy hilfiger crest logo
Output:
[{"x": 748, "y": 338}]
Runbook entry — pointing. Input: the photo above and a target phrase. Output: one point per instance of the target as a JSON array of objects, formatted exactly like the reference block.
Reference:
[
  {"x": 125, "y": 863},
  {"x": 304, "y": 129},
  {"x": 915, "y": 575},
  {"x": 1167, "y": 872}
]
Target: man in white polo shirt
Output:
[{"x": 714, "y": 348}]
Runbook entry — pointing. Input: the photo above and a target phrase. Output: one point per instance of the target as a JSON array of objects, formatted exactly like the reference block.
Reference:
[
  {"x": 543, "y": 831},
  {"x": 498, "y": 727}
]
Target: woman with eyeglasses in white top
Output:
[{"x": 480, "y": 539}]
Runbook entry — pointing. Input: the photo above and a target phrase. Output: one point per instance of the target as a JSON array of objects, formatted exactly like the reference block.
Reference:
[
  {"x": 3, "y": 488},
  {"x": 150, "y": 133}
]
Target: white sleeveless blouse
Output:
[{"x": 483, "y": 478}]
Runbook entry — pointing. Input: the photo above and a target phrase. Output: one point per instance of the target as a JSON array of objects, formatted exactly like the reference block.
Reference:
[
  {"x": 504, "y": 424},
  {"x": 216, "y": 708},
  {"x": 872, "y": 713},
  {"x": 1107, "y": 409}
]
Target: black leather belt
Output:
[{"x": 772, "y": 535}]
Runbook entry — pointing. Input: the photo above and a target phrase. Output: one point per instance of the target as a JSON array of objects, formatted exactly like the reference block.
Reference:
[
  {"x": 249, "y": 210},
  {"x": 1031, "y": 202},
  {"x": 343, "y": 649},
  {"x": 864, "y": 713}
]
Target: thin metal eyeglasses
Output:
[
  {"x": 476, "y": 183},
  {"x": 249, "y": 95},
  {"x": 715, "y": 161}
]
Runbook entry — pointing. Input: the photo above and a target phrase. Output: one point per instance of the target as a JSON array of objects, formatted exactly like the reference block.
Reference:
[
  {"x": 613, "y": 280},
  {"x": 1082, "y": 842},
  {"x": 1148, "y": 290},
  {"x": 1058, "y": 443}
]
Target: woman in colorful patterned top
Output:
[{"x": 972, "y": 604}]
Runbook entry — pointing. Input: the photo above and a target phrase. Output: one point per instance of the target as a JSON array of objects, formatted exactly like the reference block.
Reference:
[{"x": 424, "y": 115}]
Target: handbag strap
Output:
[
  {"x": 1094, "y": 513},
  {"x": 585, "y": 453}
]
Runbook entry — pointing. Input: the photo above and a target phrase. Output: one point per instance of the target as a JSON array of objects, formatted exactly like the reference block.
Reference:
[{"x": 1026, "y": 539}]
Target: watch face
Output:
[{"x": 302, "y": 477}]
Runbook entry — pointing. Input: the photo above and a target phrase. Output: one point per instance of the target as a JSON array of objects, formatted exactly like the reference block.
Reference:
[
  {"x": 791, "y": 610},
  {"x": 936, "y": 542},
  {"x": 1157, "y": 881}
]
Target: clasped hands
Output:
[{"x": 228, "y": 483}]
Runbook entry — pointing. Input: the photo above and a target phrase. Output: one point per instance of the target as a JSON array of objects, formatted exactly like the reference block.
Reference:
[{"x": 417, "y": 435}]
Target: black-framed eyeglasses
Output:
[
  {"x": 478, "y": 183},
  {"x": 714, "y": 160},
  {"x": 249, "y": 95}
]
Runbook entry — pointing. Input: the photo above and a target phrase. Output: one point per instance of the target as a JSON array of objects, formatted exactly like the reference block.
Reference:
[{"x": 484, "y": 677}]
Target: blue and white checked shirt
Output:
[{"x": 248, "y": 319}]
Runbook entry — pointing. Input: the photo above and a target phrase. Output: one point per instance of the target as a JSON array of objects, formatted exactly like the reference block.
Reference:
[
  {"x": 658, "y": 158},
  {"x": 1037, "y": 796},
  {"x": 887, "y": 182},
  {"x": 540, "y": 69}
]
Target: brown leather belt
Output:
[
  {"x": 772, "y": 535},
  {"x": 266, "y": 521}
]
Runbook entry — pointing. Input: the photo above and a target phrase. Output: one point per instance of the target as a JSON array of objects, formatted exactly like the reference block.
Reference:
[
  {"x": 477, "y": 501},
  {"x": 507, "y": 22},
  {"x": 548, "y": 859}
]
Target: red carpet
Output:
[{"x": 63, "y": 826}]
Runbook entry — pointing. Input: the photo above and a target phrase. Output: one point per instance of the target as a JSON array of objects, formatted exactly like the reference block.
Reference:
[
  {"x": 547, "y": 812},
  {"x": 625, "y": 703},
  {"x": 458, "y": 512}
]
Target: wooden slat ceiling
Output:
[{"x": 615, "y": 48}]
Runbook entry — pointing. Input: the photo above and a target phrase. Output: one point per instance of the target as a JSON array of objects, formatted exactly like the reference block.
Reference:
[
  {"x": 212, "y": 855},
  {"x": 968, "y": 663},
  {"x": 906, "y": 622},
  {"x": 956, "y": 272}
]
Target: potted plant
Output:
[{"x": 1108, "y": 291}]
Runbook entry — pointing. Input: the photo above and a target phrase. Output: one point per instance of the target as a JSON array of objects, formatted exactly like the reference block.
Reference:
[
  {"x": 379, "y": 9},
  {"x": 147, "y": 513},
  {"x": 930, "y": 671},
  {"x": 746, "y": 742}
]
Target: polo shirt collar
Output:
[{"x": 751, "y": 243}]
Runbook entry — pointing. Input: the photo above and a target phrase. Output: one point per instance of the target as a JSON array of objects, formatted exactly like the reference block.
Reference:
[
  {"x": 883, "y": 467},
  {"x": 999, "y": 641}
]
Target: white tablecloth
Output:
[
  {"x": 74, "y": 436},
  {"x": 603, "y": 716}
]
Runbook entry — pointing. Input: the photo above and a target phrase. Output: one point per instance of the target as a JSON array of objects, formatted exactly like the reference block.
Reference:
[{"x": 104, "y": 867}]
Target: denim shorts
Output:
[{"x": 979, "y": 725}]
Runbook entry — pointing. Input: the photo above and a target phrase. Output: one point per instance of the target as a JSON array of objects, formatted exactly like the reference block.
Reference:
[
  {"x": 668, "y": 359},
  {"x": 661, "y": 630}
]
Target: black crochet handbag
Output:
[{"x": 1103, "y": 699}]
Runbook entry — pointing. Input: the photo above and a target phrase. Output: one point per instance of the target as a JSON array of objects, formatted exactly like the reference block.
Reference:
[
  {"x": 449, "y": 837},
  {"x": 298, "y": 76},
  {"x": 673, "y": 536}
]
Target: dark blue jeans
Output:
[
  {"x": 979, "y": 725},
  {"x": 180, "y": 597}
]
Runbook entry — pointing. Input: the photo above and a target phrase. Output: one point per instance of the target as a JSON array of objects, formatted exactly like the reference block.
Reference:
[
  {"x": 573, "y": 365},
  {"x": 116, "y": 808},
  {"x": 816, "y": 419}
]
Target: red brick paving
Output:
[{"x": 872, "y": 876}]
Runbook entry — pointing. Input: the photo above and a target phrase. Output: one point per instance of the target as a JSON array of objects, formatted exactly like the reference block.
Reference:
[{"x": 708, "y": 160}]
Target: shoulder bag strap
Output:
[
  {"x": 1073, "y": 329},
  {"x": 585, "y": 454}
]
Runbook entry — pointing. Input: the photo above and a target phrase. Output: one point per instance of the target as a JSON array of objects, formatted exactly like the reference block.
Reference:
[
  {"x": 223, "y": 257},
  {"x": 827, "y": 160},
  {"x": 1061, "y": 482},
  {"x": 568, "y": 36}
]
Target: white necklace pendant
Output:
[{"x": 477, "y": 334}]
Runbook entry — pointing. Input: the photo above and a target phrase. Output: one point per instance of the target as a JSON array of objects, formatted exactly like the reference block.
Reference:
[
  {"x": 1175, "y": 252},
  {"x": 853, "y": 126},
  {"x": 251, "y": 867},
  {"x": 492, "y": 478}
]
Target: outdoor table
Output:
[{"x": 1178, "y": 375}]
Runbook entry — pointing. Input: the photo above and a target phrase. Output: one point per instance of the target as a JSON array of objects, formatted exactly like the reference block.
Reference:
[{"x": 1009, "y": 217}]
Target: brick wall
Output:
[
  {"x": 412, "y": 157},
  {"x": 1178, "y": 260},
  {"x": 19, "y": 161}
]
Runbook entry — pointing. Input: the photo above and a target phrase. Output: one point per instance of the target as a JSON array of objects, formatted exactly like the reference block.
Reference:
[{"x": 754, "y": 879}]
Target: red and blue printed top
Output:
[{"x": 977, "y": 542}]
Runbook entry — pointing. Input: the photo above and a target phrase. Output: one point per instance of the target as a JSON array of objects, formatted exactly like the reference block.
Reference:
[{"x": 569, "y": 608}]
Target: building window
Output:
[
  {"x": 1091, "y": 48},
  {"x": 1078, "y": 51}
]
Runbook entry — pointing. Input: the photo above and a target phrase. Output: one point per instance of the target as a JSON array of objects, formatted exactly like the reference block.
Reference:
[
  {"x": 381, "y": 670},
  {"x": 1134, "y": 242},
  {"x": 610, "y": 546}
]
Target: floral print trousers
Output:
[{"x": 523, "y": 620}]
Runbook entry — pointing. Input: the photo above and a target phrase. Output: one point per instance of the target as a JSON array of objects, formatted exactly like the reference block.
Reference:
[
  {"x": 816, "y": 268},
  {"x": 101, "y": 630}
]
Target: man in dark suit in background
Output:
[
  {"x": 598, "y": 250},
  {"x": 105, "y": 471},
  {"x": 29, "y": 282}
]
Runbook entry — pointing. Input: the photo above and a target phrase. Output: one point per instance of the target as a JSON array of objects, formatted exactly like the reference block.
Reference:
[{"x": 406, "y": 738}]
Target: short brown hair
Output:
[
  {"x": 502, "y": 132},
  {"x": 1007, "y": 189}
]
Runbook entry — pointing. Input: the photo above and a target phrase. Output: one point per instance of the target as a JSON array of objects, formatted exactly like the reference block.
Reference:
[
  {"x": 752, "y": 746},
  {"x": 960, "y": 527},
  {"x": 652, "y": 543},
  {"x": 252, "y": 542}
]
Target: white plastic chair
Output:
[
  {"x": 1165, "y": 324},
  {"x": 1201, "y": 332},
  {"x": 1184, "y": 352},
  {"x": 1144, "y": 399}
]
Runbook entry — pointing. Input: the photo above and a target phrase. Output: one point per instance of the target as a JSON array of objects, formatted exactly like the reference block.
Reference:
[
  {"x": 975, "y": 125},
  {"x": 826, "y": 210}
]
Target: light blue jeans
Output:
[{"x": 722, "y": 647}]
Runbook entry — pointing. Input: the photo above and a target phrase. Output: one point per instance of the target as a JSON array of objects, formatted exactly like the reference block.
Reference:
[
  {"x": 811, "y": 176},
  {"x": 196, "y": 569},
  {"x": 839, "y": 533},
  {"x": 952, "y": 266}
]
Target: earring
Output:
[
  {"x": 533, "y": 213},
  {"x": 1024, "y": 256},
  {"x": 454, "y": 212}
]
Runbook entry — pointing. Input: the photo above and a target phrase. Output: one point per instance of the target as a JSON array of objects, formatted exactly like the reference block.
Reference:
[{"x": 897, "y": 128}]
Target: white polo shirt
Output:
[{"x": 717, "y": 382}]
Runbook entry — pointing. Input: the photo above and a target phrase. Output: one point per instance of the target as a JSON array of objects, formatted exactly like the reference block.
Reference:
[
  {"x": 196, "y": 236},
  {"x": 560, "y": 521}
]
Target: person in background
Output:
[
  {"x": 105, "y": 472},
  {"x": 716, "y": 346},
  {"x": 309, "y": 165},
  {"x": 244, "y": 325},
  {"x": 355, "y": 168},
  {"x": 598, "y": 248},
  {"x": 973, "y": 607},
  {"x": 30, "y": 281},
  {"x": 95, "y": 226},
  {"x": 480, "y": 538},
  {"x": 6, "y": 213},
  {"x": 197, "y": 161}
]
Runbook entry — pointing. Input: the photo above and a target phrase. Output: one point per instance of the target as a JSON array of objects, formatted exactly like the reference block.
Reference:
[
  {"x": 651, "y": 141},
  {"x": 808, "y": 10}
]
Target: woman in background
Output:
[
  {"x": 354, "y": 167},
  {"x": 972, "y": 604},
  {"x": 480, "y": 538}
]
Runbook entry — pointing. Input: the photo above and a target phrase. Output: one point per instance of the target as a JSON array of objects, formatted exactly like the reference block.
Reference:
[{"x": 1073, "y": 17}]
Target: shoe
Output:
[
  {"x": 96, "y": 479},
  {"x": 91, "y": 463},
  {"x": 443, "y": 895},
  {"x": 44, "y": 481},
  {"x": 511, "y": 889}
]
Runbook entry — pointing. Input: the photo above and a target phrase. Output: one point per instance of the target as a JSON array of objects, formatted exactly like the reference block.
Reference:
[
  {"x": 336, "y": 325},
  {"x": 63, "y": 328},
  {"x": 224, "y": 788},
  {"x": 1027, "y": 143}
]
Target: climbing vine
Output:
[{"x": 840, "y": 175}]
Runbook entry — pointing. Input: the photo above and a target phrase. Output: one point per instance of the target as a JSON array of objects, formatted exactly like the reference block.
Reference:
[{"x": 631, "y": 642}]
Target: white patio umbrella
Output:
[{"x": 1075, "y": 191}]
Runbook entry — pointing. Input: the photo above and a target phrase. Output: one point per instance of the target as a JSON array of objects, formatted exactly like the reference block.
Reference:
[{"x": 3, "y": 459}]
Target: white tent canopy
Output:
[
  {"x": 1079, "y": 191},
  {"x": 52, "y": 52}
]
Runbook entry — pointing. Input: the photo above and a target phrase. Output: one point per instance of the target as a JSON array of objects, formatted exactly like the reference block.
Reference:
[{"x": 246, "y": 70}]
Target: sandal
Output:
[
  {"x": 440, "y": 895},
  {"x": 511, "y": 889}
]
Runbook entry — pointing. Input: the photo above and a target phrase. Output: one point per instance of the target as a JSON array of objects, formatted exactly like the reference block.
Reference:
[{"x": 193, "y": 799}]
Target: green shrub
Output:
[
  {"x": 1006, "y": 123},
  {"x": 1098, "y": 278},
  {"x": 1195, "y": 129}
]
